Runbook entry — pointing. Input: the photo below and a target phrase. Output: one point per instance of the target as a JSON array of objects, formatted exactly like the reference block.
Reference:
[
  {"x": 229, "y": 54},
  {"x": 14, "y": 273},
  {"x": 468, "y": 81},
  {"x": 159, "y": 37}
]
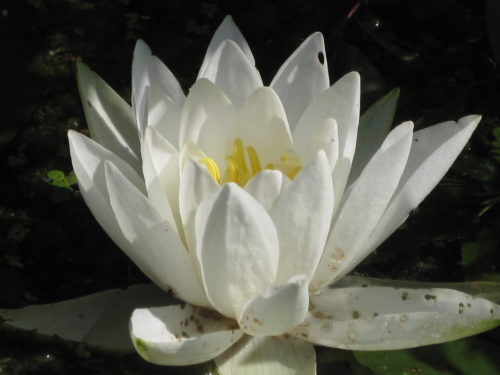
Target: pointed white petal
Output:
[
  {"x": 340, "y": 102},
  {"x": 363, "y": 206},
  {"x": 206, "y": 118},
  {"x": 433, "y": 151},
  {"x": 325, "y": 137},
  {"x": 162, "y": 76},
  {"x": 382, "y": 318},
  {"x": 374, "y": 125},
  {"x": 237, "y": 247},
  {"x": 268, "y": 356},
  {"x": 302, "y": 216},
  {"x": 156, "y": 248},
  {"x": 87, "y": 157},
  {"x": 195, "y": 186},
  {"x": 230, "y": 70},
  {"x": 160, "y": 160},
  {"x": 226, "y": 31},
  {"x": 277, "y": 309},
  {"x": 266, "y": 186},
  {"x": 262, "y": 124},
  {"x": 140, "y": 83},
  {"x": 163, "y": 114},
  {"x": 109, "y": 118},
  {"x": 302, "y": 77},
  {"x": 181, "y": 335}
]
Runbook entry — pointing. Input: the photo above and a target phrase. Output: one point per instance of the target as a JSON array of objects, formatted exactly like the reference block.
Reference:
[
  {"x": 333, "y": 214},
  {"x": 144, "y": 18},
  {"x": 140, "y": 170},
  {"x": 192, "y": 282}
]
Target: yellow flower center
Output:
[{"x": 244, "y": 163}]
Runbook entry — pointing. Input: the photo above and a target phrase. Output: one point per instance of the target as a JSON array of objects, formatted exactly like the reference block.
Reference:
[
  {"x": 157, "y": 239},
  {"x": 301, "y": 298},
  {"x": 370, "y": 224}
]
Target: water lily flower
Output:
[{"x": 251, "y": 203}]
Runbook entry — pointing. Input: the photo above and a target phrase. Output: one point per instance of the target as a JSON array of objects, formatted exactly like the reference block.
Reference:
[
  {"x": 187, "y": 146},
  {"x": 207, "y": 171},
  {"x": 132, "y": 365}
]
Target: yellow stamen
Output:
[
  {"x": 254, "y": 160},
  {"x": 212, "y": 168},
  {"x": 231, "y": 174},
  {"x": 241, "y": 167}
]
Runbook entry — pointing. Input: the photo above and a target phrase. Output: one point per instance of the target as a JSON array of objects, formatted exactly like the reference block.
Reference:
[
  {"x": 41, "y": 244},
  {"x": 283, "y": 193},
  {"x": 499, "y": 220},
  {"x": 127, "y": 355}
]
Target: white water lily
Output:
[{"x": 249, "y": 203}]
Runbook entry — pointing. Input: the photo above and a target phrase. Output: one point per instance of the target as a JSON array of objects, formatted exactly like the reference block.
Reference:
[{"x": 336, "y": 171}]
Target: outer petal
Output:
[
  {"x": 433, "y": 151},
  {"x": 302, "y": 77},
  {"x": 206, "y": 118},
  {"x": 161, "y": 171},
  {"x": 363, "y": 206},
  {"x": 340, "y": 102},
  {"x": 163, "y": 114},
  {"x": 302, "y": 216},
  {"x": 237, "y": 247},
  {"x": 268, "y": 355},
  {"x": 226, "y": 31},
  {"x": 88, "y": 157},
  {"x": 231, "y": 71},
  {"x": 262, "y": 124},
  {"x": 181, "y": 335},
  {"x": 195, "y": 186},
  {"x": 277, "y": 309},
  {"x": 109, "y": 118},
  {"x": 266, "y": 186},
  {"x": 374, "y": 125},
  {"x": 159, "y": 168},
  {"x": 156, "y": 248},
  {"x": 381, "y": 318},
  {"x": 140, "y": 83},
  {"x": 159, "y": 74}
]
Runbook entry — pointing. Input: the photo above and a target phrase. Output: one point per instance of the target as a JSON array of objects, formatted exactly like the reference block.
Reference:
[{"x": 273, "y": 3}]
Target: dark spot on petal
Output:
[
  {"x": 321, "y": 58},
  {"x": 429, "y": 297},
  {"x": 355, "y": 314},
  {"x": 89, "y": 103},
  {"x": 404, "y": 296},
  {"x": 461, "y": 308}
]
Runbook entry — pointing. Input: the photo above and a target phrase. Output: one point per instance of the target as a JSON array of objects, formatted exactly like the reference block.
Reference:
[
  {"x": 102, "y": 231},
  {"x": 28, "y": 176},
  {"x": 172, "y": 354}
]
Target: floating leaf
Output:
[
  {"x": 100, "y": 319},
  {"x": 463, "y": 357}
]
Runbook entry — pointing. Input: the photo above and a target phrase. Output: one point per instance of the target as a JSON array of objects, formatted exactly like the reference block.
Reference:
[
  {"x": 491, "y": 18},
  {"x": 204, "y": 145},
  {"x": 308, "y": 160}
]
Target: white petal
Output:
[
  {"x": 87, "y": 157},
  {"x": 363, "y": 206},
  {"x": 226, "y": 31},
  {"x": 181, "y": 335},
  {"x": 160, "y": 168},
  {"x": 262, "y": 124},
  {"x": 230, "y": 70},
  {"x": 238, "y": 248},
  {"x": 195, "y": 186},
  {"x": 162, "y": 76},
  {"x": 277, "y": 309},
  {"x": 325, "y": 137},
  {"x": 163, "y": 114},
  {"x": 156, "y": 248},
  {"x": 302, "y": 77},
  {"x": 109, "y": 118},
  {"x": 433, "y": 151},
  {"x": 374, "y": 125},
  {"x": 340, "y": 102},
  {"x": 140, "y": 83},
  {"x": 302, "y": 216},
  {"x": 266, "y": 186},
  {"x": 382, "y": 318},
  {"x": 206, "y": 118},
  {"x": 268, "y": 356}
]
